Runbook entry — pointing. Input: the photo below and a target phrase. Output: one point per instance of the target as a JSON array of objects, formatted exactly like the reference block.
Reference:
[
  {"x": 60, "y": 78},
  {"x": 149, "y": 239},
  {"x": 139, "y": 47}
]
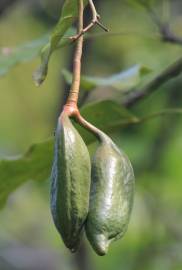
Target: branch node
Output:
[{"x": 95, "y": 20}]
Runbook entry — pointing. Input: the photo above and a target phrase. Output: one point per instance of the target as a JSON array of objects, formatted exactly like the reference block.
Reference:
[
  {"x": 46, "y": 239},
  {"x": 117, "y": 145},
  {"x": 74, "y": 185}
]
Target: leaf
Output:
[
  {"x": 107, "y": 115},
  {"x": 9, "y": 57},
  {"x": 68, "y": 15},
  {"x": 36, "y": 163},
  {"x": 122, "y": 81}
]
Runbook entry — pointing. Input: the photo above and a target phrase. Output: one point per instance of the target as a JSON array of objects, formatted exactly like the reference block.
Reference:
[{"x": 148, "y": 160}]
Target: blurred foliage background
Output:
[{"x": 28, "y": 238}]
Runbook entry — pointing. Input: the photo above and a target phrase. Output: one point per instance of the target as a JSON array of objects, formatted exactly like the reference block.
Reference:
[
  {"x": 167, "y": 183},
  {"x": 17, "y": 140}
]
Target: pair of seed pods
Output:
[{"x": 97, "y": 196}]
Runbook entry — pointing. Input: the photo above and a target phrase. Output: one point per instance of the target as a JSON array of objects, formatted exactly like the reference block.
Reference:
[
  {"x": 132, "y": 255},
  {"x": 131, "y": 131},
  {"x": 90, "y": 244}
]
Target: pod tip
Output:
[{"x": 101, "y": 244}]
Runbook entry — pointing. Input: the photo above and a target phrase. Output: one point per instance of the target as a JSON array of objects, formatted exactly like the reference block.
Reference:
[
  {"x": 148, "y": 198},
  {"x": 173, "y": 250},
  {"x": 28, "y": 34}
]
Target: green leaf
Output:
[
  {"x": 107, "y": 115},
  {"x": 36, "y": 163},
  {"x": 122, "y": 81},
  {"x": 9, "y": 57},
  {"x": 68, "y": 15}
]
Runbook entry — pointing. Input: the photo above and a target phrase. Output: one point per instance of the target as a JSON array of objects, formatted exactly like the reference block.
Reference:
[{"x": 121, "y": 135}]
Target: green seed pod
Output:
[
  {"x": 111, "y": 198},
  {"x": 70, "y": 187}
]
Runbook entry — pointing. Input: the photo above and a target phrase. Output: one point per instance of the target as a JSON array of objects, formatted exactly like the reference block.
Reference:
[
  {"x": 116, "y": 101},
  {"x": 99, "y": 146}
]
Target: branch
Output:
[
  {"x": 164, "y": 112},
  {"x": 5, "y": 4},
  {"x": 163, "y": 27},
  {"x": 71, "y": 106},
  {"x": 95, "y": 20},
  {"x": 75, "y": 87},
  {"x": 169, "y": 73},
  {"x": 82, "y": 258},
  {"x": 168, "y": 36}
]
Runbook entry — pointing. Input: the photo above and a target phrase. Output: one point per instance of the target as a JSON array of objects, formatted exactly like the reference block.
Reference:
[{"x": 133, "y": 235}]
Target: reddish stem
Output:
[{"x": 71, "y": 104}]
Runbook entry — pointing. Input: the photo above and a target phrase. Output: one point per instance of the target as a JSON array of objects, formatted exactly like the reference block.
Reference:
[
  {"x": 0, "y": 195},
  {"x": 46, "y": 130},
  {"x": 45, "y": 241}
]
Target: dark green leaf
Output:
[
  {"x": 34, "y": 165},
  {"x": 107, "y": 115},
  {"x": 68, "y": 15}
]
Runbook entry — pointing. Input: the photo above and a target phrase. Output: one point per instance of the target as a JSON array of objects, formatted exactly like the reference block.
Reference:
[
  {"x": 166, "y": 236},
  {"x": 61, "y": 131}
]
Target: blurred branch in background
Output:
[
  {"x": 82, "y": 258},
  {"x": 168, "y": 36},
  {"x": 5, "y": 4},
  {"x": 169, "y": 73},
  {"x": 163, "y": 26}
]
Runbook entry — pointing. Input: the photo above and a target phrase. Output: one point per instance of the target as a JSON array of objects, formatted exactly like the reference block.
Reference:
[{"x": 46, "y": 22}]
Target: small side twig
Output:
[
  {"x": 95, "y": 20},
  {"x": 164, "y": 112}
]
